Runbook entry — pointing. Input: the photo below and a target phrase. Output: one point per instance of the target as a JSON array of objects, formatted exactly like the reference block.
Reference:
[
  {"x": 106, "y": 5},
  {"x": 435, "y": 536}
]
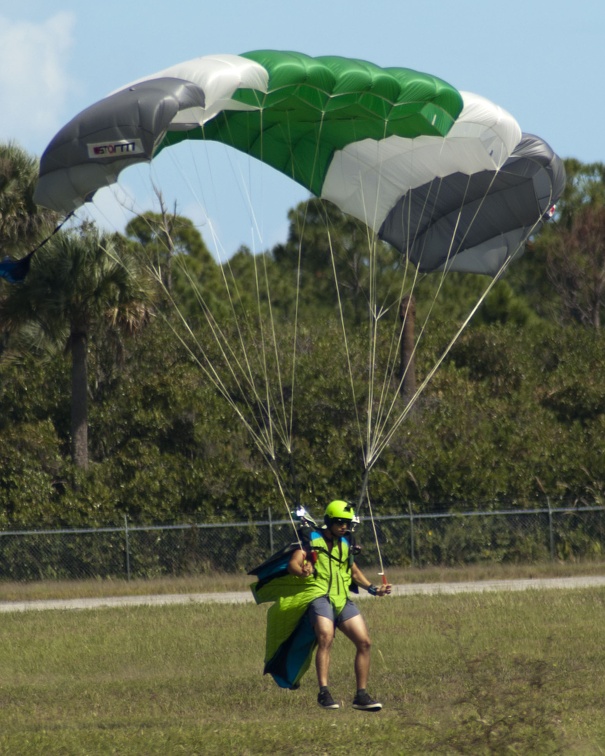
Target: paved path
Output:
[{"x": 241, "y": 597}]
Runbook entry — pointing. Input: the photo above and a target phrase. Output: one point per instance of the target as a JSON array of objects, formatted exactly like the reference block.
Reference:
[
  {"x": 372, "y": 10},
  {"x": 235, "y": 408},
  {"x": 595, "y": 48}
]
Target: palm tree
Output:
[
  {"x": 80, "y": 285},
  {"x": 22, "y": 222}
]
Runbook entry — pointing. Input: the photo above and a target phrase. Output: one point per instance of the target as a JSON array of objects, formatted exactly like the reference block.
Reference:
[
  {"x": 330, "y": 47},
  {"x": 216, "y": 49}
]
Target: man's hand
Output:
[
  {"x": 379, "y": 590},
  {"x": 299, "y": 565},
  {"x": 307, "y": 569},
  {"x": 383, "y": 589}
]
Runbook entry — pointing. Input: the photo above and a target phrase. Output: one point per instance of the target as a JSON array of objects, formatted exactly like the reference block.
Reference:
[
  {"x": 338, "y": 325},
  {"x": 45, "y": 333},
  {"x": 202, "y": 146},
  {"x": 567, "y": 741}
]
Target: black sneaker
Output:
[
  {"x": 325, "y": 700},
  {"x": 364, "y": 702}
]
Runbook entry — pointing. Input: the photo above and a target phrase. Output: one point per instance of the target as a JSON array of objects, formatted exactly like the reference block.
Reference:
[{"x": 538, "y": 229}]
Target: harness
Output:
[{"x": 332, "y": 567}]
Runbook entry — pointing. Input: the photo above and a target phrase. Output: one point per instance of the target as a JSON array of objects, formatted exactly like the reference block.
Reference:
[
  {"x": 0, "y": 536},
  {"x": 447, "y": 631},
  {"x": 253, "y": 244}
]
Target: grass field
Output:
[{"x": 498, "y": 673}]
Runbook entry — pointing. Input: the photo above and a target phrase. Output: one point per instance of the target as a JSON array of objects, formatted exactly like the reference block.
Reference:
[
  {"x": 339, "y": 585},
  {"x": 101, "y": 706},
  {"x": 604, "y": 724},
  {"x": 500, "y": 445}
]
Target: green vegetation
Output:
[
  {"x": 113, "y": 406},
  {"x": 472, "y": 673},
  {"x": 509, "y": 418}
]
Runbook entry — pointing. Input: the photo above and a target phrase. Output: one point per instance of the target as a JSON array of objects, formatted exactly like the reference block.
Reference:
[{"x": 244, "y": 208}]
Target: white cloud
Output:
[{"x": 34, "y": 82}]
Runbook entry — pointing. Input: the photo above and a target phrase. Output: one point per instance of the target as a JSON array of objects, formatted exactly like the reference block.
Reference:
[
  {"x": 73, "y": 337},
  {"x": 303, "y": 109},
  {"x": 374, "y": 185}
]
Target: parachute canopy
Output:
[{"x": 445, "y": 176}]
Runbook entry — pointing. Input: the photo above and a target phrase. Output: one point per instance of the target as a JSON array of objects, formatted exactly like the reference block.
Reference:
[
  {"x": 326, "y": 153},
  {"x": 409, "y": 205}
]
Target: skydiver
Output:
[{"x": 332, "y": 568}]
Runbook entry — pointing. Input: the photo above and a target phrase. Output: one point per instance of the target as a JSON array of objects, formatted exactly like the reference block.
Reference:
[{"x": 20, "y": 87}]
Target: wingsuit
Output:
[{"x": 290, "y": 638}]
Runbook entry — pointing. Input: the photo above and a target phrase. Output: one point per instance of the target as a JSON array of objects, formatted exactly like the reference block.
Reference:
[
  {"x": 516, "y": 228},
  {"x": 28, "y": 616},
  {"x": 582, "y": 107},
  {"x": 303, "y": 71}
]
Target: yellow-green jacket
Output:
[
  {"x": 332, "y": 575},
  {"x": 290, "y": 638}
]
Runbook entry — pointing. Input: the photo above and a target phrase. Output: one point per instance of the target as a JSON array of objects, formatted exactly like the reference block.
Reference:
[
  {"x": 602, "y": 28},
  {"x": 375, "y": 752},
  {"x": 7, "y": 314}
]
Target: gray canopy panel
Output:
[
  {"x": 120, "y": 130},
  {"x": 472, "y": 223}
]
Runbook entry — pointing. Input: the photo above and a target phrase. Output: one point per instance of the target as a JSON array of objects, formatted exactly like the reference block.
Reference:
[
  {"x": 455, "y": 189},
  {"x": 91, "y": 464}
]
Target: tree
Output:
[
  {"x": 576, "y": 265},
  {"x": 21, "y": 221},
  {"x": 327, "y": 247},
  {"x": 585, "y": 185},
  {"x": 80, "y": 284},
  {"x": 175, "y": 250},
  {"x": 562, "y": 274},
  {"x": 407, "y": 364}
]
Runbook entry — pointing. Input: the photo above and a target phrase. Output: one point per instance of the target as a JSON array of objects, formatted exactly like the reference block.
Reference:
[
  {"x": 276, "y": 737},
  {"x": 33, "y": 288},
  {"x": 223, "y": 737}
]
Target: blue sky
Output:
[{"x": 541, "y": 61}]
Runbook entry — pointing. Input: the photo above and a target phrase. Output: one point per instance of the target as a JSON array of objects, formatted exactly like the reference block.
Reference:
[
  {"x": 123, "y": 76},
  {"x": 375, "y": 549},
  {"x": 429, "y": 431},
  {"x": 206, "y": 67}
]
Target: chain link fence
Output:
[{"x": 142, "y": 551}]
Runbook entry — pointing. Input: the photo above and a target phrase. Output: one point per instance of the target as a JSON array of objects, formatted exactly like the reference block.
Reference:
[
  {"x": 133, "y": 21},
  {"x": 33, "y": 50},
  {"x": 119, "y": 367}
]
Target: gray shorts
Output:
[{"x": 321, "y": 607}]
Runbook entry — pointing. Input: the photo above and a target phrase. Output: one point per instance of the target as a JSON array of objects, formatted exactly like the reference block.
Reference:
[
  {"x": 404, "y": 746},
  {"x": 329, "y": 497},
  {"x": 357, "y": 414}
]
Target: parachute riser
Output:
[{"x": 363, "y": 497}]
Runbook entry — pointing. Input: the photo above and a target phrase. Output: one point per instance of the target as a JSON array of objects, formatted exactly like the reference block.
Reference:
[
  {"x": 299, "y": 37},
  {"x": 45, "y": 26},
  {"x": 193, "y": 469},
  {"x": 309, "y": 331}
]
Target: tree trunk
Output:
[
  {"x": 407, "y": 366},
  {"x": 79, "y": 399}
]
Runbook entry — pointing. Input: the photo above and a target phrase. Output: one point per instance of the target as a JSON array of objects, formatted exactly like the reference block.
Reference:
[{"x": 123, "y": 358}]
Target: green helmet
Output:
[{"x": 338, "y": 510}]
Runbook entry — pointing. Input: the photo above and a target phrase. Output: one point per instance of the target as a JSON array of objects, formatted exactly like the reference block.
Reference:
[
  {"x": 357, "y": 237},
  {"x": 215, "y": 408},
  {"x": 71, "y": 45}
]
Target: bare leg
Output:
[
  {"x": 355, "y": 629},
  {"x": 324, "y": 632}
]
